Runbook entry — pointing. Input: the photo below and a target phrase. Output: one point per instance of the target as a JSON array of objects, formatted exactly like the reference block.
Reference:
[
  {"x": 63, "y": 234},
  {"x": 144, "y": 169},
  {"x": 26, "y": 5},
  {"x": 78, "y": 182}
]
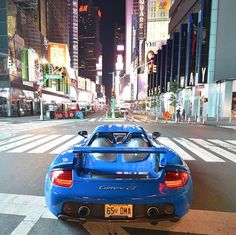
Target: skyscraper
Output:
[
  {"x": 73, "y": 32},
  {"x": 57, "y": 22},
  {"x": 89, "y": 39}
]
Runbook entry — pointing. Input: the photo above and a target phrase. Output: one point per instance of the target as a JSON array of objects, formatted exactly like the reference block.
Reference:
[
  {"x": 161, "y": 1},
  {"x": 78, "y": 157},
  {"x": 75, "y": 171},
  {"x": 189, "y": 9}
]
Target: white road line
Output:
[
  {"x": 14, "y": 139},
  {"x": 50, "y": 145},
  {"x": 100, "y": 119},
  {"x": 166, "y": 141},
  {"x": 203, "y": 154},
  {"x": 137, "y": 120},
  {"x": 18, "y": 143},
  {"x": 216, "y": 149},
  {"x": 33, "y": 207},
  {"x": 223, "y": 144},
  {"x": 231, "y": 141},
  {"x": 92, "y": 119},
  {"x": 33, "y": 144},
  {"x": 67, "y": 145}
]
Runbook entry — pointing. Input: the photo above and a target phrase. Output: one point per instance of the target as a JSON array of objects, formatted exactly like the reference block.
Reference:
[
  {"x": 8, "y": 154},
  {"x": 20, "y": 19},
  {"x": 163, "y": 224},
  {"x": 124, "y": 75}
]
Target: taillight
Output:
[
  {"x": 61, "y": 178},
  {"x": 175, "y": 179}
]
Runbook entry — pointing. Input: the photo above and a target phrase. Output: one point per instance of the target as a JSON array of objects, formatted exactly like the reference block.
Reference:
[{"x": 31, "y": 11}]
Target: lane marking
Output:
[
  {"x": 169, "y": 143},
  {"x": 92, "y": 119},
  {"x": 33, "y": 207},
  {"x": 216, "y": 149},
  {"x": 14, "y": 139},
  {"x": 202, "y": 153},
  {"x": 21, "y": 142},
  {"x": 50, "y": 145},
  {"x": 33, "y": 144},
  {"x": 223, "y": 144},
  {"x": 67, "y": 145}
]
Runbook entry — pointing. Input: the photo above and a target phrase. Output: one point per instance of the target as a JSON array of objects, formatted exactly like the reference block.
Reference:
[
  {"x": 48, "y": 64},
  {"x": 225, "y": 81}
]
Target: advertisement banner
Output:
[
  {"x": 182, "y": 55},
  {"x": 203, "y": 40},
  {"x": 174, "y": 57},
  {"x": 31, "y": 64},
  {"x": 24, "y": 61},
  {"x": 163, "y": 5},
  {"x": 191, "y": 49},
  {"x": 81, "y": 83},
  {"x": 57, "y": 54}
]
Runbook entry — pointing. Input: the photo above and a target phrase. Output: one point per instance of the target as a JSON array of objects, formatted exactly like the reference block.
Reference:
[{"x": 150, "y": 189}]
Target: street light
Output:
[{"x": 113, "y": 102}]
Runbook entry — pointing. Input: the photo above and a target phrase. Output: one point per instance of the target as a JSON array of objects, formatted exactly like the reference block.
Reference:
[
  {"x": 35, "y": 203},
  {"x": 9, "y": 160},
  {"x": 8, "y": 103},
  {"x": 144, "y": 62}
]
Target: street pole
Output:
[{"x": 41, "y": 107}]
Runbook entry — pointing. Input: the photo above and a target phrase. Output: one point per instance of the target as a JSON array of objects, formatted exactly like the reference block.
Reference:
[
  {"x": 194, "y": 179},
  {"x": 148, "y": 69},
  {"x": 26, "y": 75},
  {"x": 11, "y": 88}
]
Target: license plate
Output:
[{"x": 118, "y": 210}]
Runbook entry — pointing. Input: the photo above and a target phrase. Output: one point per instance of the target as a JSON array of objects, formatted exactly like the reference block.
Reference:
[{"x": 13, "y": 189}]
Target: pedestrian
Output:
[
  {"x": 183, "y": 114},
  {"x": 178, "y": 115}
]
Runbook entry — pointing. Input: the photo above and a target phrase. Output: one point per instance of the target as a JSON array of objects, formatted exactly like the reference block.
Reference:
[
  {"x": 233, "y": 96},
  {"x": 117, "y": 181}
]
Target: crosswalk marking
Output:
[
  {"x": 33, "y": 144},
  {"x": 50, "y": 145},
  {"x": 67, "y": 145},
  {"x": 216, "y": 149},
  {"x": 203, "y": 154},
  {"x": 92, "y": 119},
  {"x": 223, "y": 144},
  {"x": 231, "y": 141},
  {"x": 175, "y": 147},
  {"x": 187, "y": 148},
  {"x": 18, "y": 143},
  {"x": 15, "y": 139}
]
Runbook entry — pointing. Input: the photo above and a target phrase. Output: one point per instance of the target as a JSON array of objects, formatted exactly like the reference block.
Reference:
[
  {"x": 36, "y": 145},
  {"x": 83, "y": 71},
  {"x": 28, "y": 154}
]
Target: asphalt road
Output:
[{"x": 212, "y": 154}]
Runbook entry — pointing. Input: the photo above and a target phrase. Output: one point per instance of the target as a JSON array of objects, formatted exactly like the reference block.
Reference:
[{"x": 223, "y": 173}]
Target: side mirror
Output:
[
  {"x": 83, "y": 133},
  {"x": 155, "y": 135}
]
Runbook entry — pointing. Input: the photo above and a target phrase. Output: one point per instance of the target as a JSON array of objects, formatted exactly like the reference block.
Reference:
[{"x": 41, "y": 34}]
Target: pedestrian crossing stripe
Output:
[
  {"x": 200, "y": 152},
  {"x": 210, "y": 150}
]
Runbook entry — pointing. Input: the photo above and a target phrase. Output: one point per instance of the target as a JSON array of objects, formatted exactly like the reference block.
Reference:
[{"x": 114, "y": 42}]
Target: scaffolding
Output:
[{"x": 27, "y": 4}]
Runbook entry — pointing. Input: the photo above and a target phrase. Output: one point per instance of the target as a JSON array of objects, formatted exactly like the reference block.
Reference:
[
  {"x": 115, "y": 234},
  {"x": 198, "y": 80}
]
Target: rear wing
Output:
[{"x": 87, "y": 149}]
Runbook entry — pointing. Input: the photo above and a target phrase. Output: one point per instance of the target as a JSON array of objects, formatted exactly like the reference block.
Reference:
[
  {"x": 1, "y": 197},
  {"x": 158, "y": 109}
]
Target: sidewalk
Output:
[{"x": 220, "y": 123}]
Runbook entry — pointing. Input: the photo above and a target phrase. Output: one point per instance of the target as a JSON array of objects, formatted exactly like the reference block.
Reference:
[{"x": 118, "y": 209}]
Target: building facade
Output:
[
  {"x": 89, "y": 47},
  {"x": 73, "y": 32},
  {"x": 204, "y": 50}
]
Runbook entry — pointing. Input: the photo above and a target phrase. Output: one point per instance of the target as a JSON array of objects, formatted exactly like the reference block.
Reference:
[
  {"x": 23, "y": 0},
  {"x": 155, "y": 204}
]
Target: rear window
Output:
[{"x": 133, "y": 140}]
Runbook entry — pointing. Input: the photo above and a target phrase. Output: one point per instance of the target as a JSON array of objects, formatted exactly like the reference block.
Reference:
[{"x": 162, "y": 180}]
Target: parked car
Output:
[{"x": 119, "y": 173}]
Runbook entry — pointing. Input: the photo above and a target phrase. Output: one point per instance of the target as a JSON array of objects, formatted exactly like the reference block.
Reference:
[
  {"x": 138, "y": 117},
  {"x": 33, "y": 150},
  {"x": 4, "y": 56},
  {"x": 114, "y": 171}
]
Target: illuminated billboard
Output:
[{"x": 57, "y": 54}]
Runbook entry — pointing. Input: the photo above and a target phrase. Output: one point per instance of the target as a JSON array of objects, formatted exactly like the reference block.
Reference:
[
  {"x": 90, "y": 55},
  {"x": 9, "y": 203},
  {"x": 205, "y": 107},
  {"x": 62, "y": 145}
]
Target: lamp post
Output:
[{"x": 113, "y": 102}]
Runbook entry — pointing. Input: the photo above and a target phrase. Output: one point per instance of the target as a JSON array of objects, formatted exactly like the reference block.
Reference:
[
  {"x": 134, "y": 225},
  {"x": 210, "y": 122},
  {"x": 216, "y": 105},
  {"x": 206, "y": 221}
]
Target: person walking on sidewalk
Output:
[
  {"x": 178, "y": 115},
  {"x": 183, "y": 115}
]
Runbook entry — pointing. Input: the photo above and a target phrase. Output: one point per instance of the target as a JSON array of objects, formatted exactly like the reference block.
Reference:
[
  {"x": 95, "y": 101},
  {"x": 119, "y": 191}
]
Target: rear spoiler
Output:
[{"x": 87, "y": 149}]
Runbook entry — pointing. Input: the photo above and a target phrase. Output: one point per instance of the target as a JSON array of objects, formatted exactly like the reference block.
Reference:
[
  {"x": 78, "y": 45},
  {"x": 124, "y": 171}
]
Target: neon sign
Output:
[{"x": 83, "y": 8}]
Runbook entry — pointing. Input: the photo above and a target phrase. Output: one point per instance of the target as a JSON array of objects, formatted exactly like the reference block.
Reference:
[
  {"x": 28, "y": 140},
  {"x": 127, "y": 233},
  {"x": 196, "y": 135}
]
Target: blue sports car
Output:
[{"x": 119, "y": 173}]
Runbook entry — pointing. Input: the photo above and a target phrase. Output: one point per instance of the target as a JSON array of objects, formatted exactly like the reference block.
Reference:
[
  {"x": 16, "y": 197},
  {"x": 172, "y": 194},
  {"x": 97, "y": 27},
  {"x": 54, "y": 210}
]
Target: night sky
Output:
[{"x": 113, "y": 12}]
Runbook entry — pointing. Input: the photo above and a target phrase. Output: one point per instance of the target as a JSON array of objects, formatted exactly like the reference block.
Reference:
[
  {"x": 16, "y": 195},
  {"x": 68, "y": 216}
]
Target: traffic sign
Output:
[{"x": 53, "y": 76}]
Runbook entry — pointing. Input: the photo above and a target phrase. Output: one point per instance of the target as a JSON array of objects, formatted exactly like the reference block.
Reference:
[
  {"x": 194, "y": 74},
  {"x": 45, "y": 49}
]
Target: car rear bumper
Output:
[{"x": 96, "y": 212}]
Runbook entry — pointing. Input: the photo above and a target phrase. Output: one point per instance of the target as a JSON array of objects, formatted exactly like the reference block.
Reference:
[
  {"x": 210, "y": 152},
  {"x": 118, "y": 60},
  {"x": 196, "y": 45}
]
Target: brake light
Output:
[
  {"x": 175, "y": 179},
  {"x": 61, "y": 178}
]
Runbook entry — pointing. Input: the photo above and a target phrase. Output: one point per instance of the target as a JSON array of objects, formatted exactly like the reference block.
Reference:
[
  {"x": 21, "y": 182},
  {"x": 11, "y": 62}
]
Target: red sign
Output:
[{"x": 83, "y": 8}]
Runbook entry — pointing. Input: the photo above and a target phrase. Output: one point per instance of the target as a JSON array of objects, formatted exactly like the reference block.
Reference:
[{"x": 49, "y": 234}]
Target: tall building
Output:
[
  {"x": 136, "y": 32},
  {"x": 73, "y": 32},
  {"x": 22, "y": 46},
  {"x": 203, "y": 48},
  {"x": 89, "y": 39},
  {"x": 57, "y": 21},
  {"x": 157, "y": 35}
]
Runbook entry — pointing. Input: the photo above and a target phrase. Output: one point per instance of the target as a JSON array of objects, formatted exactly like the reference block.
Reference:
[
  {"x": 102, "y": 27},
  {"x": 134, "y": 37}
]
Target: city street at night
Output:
[
  {"x": 210, "y": 152},
  {"x": 117, "y": 117}
]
